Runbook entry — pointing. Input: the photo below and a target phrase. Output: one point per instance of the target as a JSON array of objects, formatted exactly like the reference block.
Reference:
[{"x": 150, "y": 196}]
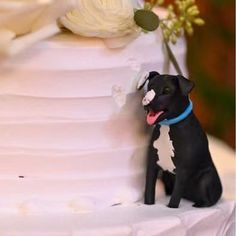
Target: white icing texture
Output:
[
  {"x": 72, "y": 124},
  {"x": 119, "y": 95},
  {"x": 165, "y": 149}
]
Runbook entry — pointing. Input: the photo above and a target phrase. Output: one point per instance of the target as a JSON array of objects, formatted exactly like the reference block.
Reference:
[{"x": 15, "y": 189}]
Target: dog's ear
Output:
[
  {"x": 148, "y": 76},
  {"x": 185, "y": 85}
]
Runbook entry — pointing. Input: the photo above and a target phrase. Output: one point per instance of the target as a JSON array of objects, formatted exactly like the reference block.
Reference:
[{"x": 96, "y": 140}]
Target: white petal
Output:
[
  {"x": 53, "y": 12},
  {"x": 20, "y": 20},
  {"x": 19, "y": 44}
]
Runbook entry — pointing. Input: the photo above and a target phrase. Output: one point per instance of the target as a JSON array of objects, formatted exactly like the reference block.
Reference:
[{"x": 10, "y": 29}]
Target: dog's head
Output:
[{"x": 166, "y": 96}]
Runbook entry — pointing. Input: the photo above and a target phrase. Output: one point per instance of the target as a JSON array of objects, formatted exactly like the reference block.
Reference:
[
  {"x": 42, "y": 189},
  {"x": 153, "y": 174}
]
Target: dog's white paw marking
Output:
[
  {"x": 150, "y": 95},
  {"x": 119, "y": 95},
  {"x": 165, "y": 149}
]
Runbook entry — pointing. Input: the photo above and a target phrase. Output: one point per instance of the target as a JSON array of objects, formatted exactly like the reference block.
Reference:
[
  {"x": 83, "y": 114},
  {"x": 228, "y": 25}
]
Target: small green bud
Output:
[
  {"x": 160, "y": 2},
  {"x": 192, "y": 8},
  {"x": 181, "y": 7},
  {"x": 199, "y": 21},
  {"x": 173, "y": 39},
  {"x": 193, "y": 12},
  {"x": 167, "y": 34},
  {"x": 190, "y": 2},
  {"x": 166, "y": 37},
  {"x": 181, "y": 19},
  {"x": 189, "y": 29},
  {"x": 170, "y": 16},
  {"x": 179, "y": 25},
  {"x": 178, "y": 32},
  {"x": 188, "y": 24},
  {"x": 184, "y": 4},
  {"x": 162, "y": 26},
  {"x": 147, "y": 6},
  {"x": 170, "y": 7}
]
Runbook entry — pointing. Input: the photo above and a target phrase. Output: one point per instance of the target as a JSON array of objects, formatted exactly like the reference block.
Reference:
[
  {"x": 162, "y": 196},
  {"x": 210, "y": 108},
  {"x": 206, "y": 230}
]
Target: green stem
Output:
[{"x": 172, "y": 58}]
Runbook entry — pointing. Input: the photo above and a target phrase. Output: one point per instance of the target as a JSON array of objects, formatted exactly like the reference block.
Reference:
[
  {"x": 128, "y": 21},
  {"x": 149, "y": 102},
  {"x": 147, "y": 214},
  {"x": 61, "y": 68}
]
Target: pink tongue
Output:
[{"x": 152, "y": 117}]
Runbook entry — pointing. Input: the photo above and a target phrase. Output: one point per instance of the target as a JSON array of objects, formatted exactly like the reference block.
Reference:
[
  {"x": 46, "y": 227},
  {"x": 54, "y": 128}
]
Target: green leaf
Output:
[{"x": 146, "y": 19}]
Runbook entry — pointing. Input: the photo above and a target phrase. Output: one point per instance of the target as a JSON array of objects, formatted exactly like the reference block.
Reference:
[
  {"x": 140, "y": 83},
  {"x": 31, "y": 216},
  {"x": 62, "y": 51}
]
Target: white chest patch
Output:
[{"x": 165, "y": 149}]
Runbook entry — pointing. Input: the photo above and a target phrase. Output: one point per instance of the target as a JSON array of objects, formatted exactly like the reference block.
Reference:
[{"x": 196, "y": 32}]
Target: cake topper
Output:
[{"x": 186, "y": 167}]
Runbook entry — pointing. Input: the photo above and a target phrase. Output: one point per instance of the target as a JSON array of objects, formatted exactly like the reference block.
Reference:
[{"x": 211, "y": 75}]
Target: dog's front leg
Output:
[
  {"x": 152, "y": 170},
  {"x": 180, "y": 184},
  {"x": 151, "y": 177}
]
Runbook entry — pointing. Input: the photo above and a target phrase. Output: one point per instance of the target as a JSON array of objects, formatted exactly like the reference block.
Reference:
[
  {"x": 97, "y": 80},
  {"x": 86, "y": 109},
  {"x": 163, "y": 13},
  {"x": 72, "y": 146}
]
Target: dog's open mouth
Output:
[{"x": 153, "y": 116}]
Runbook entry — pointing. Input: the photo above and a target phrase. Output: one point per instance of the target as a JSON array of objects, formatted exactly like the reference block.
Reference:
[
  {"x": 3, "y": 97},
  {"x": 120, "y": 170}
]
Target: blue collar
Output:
[{"x": 180, "y": 117}]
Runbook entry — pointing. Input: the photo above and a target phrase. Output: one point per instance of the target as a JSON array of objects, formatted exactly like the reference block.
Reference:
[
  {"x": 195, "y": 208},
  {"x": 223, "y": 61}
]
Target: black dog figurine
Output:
[{"x": 188, "y": 172}]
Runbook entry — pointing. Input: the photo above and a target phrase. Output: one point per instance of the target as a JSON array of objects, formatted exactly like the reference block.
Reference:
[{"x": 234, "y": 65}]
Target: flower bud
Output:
[{"x": 199, "y": 21}]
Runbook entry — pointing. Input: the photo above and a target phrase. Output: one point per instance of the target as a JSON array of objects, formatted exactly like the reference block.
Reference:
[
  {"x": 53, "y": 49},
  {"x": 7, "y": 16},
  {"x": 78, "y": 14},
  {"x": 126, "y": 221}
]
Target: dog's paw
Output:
[
  {"x": 199, "y": 205},
  {"x": 149, "y": 202},
  {"x": 172, "y": 206}
]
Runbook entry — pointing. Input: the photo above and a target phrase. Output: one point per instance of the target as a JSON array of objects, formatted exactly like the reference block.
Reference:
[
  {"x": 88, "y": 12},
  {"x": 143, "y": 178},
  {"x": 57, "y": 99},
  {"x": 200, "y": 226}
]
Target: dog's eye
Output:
[{"x": 166, "y": 90}]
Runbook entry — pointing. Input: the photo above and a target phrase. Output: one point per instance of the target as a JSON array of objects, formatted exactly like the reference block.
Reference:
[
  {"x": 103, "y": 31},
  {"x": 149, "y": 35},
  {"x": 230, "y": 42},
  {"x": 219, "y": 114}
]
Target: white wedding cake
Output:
[
  {"x": 73, "y": 138},
  {"x": 72, "y": 125}
]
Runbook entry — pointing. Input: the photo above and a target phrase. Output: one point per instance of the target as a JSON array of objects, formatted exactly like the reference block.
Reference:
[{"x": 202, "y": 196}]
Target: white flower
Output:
[
  {"x": 19, "y": 16},
  {"x": 23, "y": 23},
  {"x": 101, "y": 18}
]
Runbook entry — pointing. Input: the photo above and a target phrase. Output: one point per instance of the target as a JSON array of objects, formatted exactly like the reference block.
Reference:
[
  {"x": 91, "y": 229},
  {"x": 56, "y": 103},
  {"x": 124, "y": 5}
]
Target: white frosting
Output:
[
  {"x": 119, "y": 95},
  {"x": 61, "y": 128},
  {"x": 165, "y": 149},
  {"x": 136, "y": 219}
]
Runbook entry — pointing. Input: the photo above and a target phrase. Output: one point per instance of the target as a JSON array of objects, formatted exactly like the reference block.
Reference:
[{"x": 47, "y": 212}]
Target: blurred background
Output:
[{"x": 211, "y": 64}]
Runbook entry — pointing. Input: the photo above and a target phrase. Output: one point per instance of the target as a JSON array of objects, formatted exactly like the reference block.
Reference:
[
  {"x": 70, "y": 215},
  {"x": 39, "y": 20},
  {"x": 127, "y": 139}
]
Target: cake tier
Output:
[{"x": 64, "y": 141}]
